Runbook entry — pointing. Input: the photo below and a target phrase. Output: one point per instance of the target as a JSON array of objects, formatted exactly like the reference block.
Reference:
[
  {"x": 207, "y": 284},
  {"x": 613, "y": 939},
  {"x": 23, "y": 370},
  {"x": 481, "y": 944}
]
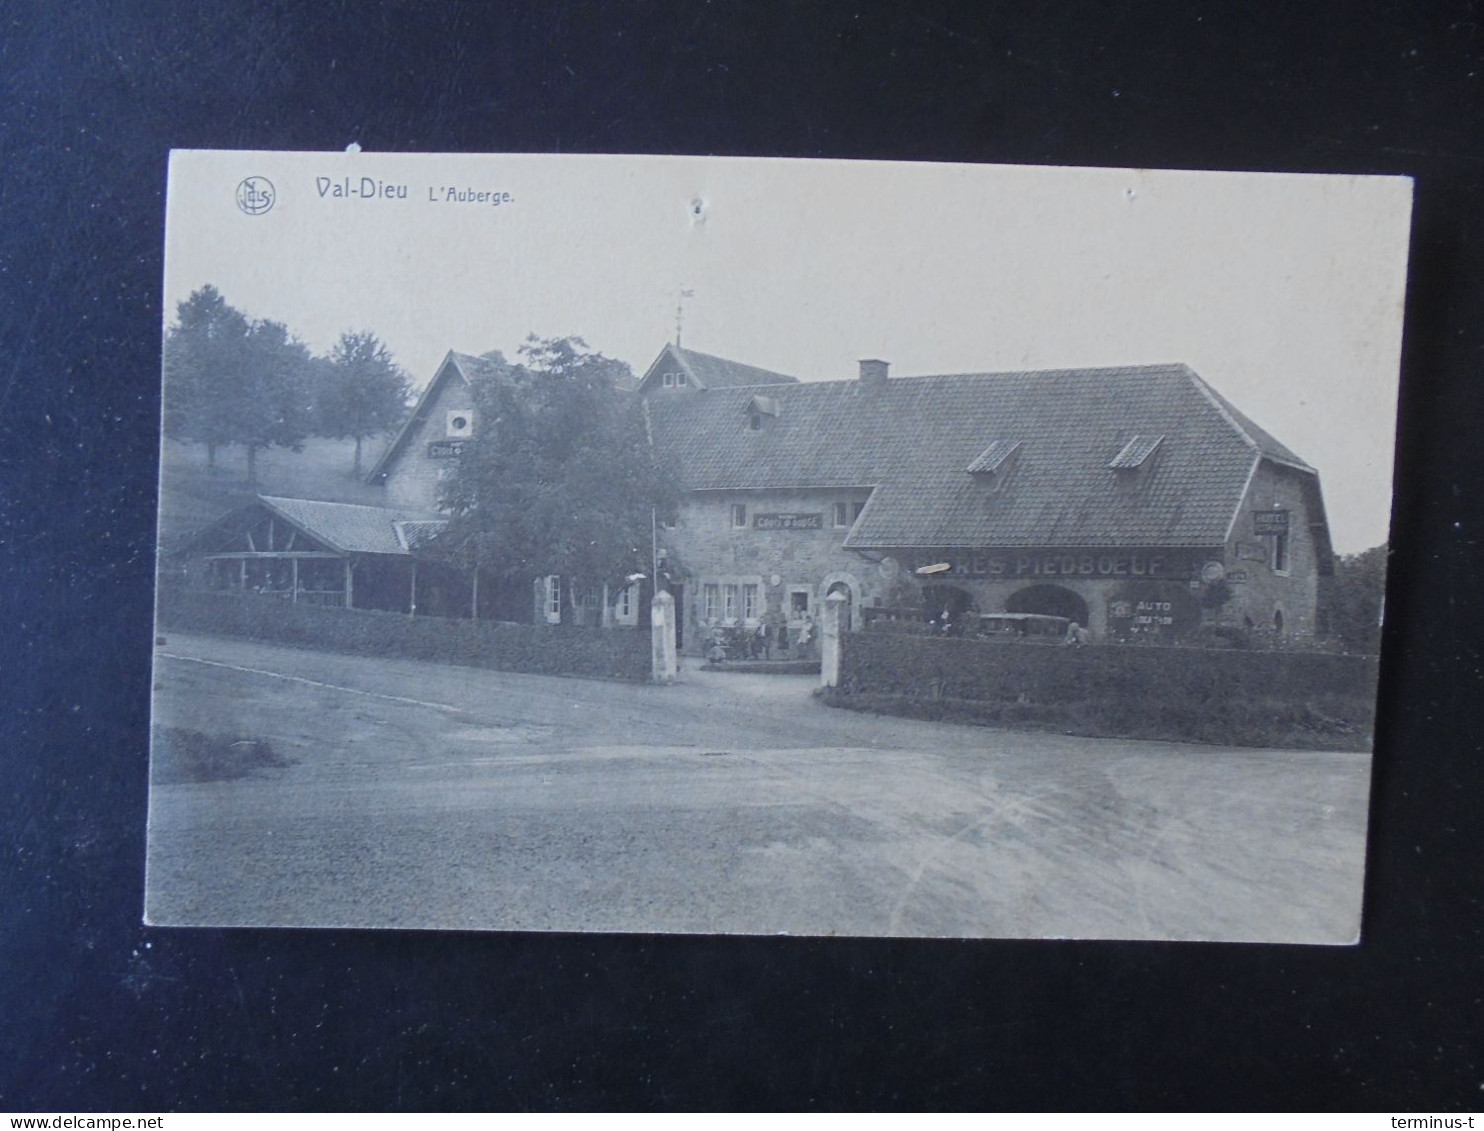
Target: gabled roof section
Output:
[
  {"x": 1133, "y": 454},
  {"x": 454, "y": 367},
  {"x": 992, "y": 458},
  {"x": 914, "y": 437},
  {"x": 350, "y": 528},
  {"x": 706, "y": 371},
  {"x": 1262, "y": 441}
]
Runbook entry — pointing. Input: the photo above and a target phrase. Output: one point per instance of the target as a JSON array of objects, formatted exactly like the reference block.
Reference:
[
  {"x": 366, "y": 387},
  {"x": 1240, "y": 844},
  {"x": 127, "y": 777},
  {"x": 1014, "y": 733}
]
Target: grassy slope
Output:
[{"x": 192, "y": 496}]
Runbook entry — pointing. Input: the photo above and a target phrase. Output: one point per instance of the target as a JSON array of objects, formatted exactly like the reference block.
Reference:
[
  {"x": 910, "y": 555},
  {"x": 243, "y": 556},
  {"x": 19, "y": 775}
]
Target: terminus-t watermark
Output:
[{"x": 1432, "y": 1122}]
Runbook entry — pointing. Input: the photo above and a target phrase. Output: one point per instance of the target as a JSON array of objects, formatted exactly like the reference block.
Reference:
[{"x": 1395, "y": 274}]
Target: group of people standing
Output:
[{"x": 765, "y": 642}]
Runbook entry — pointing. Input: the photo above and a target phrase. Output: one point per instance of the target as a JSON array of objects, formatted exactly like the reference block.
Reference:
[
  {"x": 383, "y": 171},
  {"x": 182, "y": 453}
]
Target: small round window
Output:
[{"x": 459, "y": 423}]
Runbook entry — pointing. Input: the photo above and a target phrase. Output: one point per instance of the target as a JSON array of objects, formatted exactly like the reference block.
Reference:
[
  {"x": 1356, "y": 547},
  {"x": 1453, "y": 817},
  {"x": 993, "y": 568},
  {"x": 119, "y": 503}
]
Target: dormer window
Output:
[
  {"x": 1137, "y": 453},
  {"x": 673, "y": 379},
  {"x": 994, "y": 458},
  {"x": 993, "y": 465},
  {"x": 760, "y": 409}
]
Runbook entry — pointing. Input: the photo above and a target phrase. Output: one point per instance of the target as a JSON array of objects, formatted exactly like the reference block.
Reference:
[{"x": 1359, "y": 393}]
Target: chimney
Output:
[{"x": 874, "y": 372}]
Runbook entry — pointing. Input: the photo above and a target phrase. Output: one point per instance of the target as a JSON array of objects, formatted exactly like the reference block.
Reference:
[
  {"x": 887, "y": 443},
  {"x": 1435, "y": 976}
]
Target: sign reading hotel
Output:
[
  {"x": 1270, "y": 522},
  {"x": 1069, "y": 563},
  {"x": 788, "y": 521}
]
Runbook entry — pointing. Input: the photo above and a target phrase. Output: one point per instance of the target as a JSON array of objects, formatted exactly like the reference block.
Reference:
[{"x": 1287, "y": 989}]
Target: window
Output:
[
  {"x": 739, "y": 516},
  {"x": 711, "y": 601},
  {"x": 855, "y": 510},
  {"x": 749, "y": 602},
  {"x": 669, "y": 380},
  {"x": 552, "y": 599},
  {"x": 1280, "y": 553},
  {"x": 626, "y": 603},
  {"x": 729, "y": 595},
  {"x": 842, "y": 514},
  {"x": 798, "y": 604},
  {"x": 679, "y": 380}
]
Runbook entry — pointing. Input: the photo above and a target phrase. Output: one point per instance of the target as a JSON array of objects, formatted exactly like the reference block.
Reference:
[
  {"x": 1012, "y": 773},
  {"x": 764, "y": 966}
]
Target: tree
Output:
[
  {"x": 1359, "y": 590},
  {"x": 362, "y": 391},
  {"x": 204, "y": 354},
  {"x": 232, "y": 381},
  {"x": 273, "y": 400},
  {"x": 561, "y": 477}
]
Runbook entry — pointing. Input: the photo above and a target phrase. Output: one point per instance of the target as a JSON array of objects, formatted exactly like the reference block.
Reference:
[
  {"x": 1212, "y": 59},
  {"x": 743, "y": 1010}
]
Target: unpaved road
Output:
[{"x": 424, "y": 795}]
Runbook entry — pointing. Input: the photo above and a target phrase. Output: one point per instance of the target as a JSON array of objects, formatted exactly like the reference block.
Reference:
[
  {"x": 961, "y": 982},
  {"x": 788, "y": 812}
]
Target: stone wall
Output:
[
  {"x": 792, "y": 565},
  {"x": 1258, "y": 589},
  {"x": 1125, "y": 593}
]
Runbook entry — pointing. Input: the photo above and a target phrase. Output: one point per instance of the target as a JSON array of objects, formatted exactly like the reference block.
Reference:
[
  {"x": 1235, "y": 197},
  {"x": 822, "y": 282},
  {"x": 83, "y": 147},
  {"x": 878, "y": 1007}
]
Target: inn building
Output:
[{"x": 1134, "y": 500}]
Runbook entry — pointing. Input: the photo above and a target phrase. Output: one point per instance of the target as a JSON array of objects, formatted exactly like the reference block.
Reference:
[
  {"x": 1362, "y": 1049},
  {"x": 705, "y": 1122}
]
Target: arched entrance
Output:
[
  {"x": 1048, "y": 600},
  {"x": 844, "y": 590},
  {"x": 847, "y": 585},
  {"x": 947, "y": 605}
]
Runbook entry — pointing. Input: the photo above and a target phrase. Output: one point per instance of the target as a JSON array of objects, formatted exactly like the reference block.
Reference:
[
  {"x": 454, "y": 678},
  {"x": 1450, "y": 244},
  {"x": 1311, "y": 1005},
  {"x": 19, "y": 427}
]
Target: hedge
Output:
[
  {"x": 1053, "y": 673},
  {"x": 563, "y": 650},
  {"x": 1305, "y": 699}
]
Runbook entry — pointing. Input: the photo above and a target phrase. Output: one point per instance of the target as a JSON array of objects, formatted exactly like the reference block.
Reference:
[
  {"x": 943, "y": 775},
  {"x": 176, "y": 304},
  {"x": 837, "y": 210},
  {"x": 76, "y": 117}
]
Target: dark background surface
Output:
[{"x": 99, "y": 1013}]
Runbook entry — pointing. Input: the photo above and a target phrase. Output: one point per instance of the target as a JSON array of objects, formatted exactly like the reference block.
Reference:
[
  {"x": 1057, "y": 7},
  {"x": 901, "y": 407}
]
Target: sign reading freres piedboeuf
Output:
[
  {"x": 1270, "y": 522},
  {"x": 788, "y": 521},
  {"x": 1067, "y": 563}
]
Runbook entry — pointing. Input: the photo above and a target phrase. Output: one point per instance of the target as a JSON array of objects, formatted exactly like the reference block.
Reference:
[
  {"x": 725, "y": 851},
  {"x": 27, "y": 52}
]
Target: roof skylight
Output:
[
  {"x": 993, "y": 458},
  {"x": 1135, "y": 452}
]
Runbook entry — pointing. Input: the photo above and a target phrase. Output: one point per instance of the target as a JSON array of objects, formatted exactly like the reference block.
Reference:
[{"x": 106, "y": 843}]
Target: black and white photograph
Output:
[{"x": 756, "y": 546}]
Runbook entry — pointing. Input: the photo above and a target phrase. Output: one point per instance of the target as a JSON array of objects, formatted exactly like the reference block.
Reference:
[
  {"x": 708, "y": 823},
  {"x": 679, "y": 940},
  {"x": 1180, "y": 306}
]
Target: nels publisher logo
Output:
[{"x": 256, "y": 195}]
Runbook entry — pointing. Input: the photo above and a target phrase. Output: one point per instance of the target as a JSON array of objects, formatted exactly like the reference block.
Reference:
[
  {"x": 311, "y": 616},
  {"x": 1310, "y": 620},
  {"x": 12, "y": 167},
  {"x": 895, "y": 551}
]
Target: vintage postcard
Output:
[{"x": 684, "y": 544}]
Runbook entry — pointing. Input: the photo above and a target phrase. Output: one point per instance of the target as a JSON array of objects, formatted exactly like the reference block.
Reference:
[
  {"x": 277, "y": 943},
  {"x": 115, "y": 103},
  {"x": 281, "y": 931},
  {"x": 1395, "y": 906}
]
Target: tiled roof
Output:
[
  {"x": 416, "y": 533},
  {"x": 352, "y": 528},
  {"x": 453, "y": 363},
  {"x": 1263, "y": 440},
  {"x": 1135, "y": 452},
  {"x": 913, "y": 437},
  {"x": 473, "y": 368},
  {"x": 993, "y": 456},
  {"x": 721, "y": 373}
]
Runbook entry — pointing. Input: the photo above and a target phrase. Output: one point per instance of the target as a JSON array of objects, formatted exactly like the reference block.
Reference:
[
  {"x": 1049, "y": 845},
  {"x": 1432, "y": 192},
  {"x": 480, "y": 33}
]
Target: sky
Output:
[{"x": 1284, "y": 291}]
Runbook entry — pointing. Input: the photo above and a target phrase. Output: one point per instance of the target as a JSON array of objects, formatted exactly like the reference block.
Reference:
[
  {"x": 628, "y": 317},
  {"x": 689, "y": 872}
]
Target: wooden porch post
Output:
[
  {"x": 412, "y": 595},
  {"x": 294, "y": 580},
  {"x": 349, "y": 587},
  {"x": 474, "y": 596}
]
